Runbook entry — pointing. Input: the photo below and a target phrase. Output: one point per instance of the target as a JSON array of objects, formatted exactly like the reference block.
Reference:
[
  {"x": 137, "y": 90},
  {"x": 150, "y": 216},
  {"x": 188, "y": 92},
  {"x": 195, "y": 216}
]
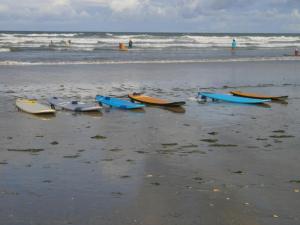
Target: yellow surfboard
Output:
[
  {"x": 33, "y": 106},
  {"x": 259, "y": 96}
]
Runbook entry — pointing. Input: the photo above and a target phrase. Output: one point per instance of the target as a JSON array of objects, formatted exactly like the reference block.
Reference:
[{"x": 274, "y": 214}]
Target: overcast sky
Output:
[{"x": 151, "y": 15}]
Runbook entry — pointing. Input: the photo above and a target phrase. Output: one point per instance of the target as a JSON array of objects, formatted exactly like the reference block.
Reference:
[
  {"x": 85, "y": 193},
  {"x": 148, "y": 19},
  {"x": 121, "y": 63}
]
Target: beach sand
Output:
[{"x": 215, "y": 163}]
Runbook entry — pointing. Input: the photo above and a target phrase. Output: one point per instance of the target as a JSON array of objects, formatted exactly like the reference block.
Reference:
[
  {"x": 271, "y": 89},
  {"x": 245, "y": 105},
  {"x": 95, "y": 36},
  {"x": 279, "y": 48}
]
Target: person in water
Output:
[
  {"x": 51, "y": 44},
  {"x": 233, "y": 44},
  {"x": 130, "y": 43}
]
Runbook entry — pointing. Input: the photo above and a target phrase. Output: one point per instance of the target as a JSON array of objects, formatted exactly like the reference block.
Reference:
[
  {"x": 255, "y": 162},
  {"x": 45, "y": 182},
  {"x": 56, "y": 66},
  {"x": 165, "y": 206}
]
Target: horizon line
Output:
[{"x": 155, "y": 32}]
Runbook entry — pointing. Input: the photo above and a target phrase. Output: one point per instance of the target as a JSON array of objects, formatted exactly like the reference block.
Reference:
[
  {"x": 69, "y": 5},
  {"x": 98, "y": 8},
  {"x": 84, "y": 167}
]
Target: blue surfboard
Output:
[
  {"x": 232, "y": 98},
  {"x": 118, "y": 103}
]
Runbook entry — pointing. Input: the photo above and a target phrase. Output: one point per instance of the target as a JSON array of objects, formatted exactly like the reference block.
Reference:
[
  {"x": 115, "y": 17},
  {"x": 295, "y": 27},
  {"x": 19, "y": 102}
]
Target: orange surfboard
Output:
[
  {"x": 259, "y": 96},
  {"x": 153, "y": 101}
]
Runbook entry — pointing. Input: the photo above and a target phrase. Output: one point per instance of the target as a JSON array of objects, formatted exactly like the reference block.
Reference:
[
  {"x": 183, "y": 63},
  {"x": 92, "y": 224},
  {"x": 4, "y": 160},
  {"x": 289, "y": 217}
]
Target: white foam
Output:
[
  {"x": 257, "y": 59},
  {"x": 82, "y": 40},
  {"x": 4, "y": 50}
]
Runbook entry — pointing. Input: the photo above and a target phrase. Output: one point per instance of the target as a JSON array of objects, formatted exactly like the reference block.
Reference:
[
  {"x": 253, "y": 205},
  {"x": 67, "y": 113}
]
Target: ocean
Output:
[{"x": 32, "y": 48}]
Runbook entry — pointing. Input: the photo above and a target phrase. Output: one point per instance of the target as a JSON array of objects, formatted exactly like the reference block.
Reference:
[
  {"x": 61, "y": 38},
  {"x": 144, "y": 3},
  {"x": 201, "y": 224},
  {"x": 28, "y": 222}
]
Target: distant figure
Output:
[
  {"x": 122, "y": 47},
  {"x": 67, "y": 43},
  {"x": 51, "y": 44},
  {"x": 130, "y": 43},
  {"x": 296, "y": 52},
  {"x": 233, "y": 44}
]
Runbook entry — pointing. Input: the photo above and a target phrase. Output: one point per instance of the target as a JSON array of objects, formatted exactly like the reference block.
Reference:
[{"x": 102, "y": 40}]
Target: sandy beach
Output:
[{"x": 212, "y": 163}]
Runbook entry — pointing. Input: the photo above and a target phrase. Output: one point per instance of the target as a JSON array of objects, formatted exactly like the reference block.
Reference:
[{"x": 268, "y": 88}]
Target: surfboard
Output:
[
  {"x": 153, "y": 101},
  {"x": 33, "y": 106},
  {"x": 73, "y": 105},
  {"x": 232, "y": 98},
  {"x": 258, "y": 96},
  {"x": 118, "y": 103}
]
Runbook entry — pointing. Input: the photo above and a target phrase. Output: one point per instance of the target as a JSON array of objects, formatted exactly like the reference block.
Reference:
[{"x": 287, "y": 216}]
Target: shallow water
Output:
[{"x": 216, "y": 163}]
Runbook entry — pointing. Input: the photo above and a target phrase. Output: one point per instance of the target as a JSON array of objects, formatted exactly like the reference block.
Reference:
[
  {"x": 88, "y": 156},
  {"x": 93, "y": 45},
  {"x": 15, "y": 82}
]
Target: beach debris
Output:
[
  {"x": 223, "y": 145},
  {"x": 107, "y": 160},
  {"x": 275, "y": 216},
  {"x": 10, "y": 92},
  {"x": 267, "y": 145},
  {"x": 98, "y": 137},
  {"x": 227, "y": 198},
  {"x": 198, "y": 178},
  {"x": 216, "y": 190},
  {"x": 278, "y": 131},
  {"x": 47, "y": 181},
  {"x": 115, "y": 150},
  {"x": 261, "y": 139},
  {"x": 3, "y": 162},
  {"x": 168, "y": 144},
  {"x": 296, "y": 190},
  {"x": 125, "y": 176},
  {"x": 71, "y": 156},
  {"x": 9, "y": 138},
  {"x": 193, "y": 151},
  {"x": 32, "y": 150},
  {"x": 54, "y": 143},
  {"x": 116, "y": 194},
  {"x": 188, "y": 146},
  {"x": 141, "y": 152},
  {"x": 212, "y": 133},
  {"x": 39, "y": 136},
  {"x": 149, "y": 175},
  {"x": 295, "y": 181},
  {"x": 246, "y": 203},
  {"x": 238, "y": 172},
  {"x": 282, "y": 136},
  {"x": 209, "y": 140},
  {"x": 155, "y": 183}
]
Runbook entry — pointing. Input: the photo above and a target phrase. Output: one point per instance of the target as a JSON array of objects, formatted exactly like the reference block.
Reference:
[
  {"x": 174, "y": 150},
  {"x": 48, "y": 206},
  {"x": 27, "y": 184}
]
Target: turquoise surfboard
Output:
[
  {"x": 232, "y": 98},
  {"x": 118, "y": 103}
]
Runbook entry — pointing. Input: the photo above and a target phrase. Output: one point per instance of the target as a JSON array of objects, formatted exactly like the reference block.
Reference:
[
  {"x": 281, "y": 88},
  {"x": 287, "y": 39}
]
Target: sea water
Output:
[{"x": 30, "y": 48}]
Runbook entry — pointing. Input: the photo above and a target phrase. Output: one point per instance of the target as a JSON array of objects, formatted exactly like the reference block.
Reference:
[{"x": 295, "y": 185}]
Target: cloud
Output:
[{"x": 132, "y": 15}]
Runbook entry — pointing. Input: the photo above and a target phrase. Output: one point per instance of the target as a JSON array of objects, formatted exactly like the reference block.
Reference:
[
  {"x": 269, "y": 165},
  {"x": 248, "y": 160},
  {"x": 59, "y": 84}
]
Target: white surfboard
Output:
[
  {"x": 73, "y": 105},
  {"x": 33, "y": 106}
]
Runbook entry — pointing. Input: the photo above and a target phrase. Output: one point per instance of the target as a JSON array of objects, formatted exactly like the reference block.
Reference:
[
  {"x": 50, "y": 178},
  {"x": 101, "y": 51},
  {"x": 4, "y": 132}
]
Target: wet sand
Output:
[{"x": 215, "y": 163}]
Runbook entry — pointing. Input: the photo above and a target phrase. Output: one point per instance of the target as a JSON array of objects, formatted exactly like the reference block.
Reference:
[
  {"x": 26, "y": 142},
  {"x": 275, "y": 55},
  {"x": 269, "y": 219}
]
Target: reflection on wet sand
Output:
[
  {"x": 174, "y": 109},
  {"x": 95, "y": 114},
  {"x": 45, "y": 116},
  {"x": 280, "y": 101}
]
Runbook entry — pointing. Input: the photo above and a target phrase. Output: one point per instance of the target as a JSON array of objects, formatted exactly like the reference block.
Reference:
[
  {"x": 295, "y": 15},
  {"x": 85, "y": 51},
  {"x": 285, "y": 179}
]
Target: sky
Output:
[{"x": 250, "y": 16}]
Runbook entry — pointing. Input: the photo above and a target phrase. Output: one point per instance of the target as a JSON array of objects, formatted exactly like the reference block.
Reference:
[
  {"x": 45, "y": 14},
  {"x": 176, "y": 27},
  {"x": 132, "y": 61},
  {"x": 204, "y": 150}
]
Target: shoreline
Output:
[{"x": 224, "y": 60}]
